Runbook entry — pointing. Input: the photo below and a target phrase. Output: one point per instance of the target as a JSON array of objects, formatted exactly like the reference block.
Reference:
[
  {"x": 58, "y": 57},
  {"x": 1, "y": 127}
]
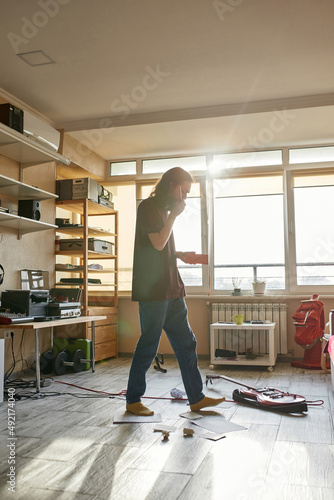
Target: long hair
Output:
[{"x": 174, "y": 177}]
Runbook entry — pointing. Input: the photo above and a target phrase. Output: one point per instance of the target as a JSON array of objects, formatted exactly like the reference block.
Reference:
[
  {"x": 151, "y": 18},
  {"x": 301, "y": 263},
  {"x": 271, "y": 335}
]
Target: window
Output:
[
  {"x": 123, "y": 168},
  {"x": 314, "y": 233},
  {"x": 188, "y": 236},
  {"x": 161, "y": 165},
  {"x": 253, "y": 228},
  {"x": 251, "y": 159},
  {"x": 248, "y": 231},
  {"x": 311, "y": 155}
]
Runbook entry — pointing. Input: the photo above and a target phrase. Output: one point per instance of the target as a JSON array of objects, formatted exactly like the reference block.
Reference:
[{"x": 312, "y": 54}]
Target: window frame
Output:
[
  {"x": 212, "y": 225},
  {"x": 205, "y": 178},
  {"x": 322, "y": 167}
]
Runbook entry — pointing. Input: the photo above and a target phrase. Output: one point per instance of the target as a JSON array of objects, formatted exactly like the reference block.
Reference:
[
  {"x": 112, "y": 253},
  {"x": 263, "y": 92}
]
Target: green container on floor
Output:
[{"x": 72, "y": 345}]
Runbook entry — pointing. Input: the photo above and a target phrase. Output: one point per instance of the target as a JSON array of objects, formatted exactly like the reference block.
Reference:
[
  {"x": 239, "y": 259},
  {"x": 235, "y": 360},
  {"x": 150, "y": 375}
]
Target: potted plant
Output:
[
  {"x": 236, "y": 282},
  {"x": 259, "y": 286}
]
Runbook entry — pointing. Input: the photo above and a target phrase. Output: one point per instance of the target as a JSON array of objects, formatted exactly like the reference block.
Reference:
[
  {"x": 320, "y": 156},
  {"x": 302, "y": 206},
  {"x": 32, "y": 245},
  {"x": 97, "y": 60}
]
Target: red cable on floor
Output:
[
  {"x": 317, "y": 402},
  {"x": 123, "y": 393}
]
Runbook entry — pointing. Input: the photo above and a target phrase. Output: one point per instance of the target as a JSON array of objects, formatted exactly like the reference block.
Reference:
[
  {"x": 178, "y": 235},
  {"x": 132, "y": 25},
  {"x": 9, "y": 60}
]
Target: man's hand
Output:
[
  {"x": 192, "y": 257},
  {"x": 185, "y": 256},
  {"x": 159, "y": 240},
  {"x": 178, "y": 208}
]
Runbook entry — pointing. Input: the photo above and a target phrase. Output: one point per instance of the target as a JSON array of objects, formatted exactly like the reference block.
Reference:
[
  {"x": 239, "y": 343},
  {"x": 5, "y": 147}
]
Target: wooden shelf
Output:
[
  {"x": 78, "y": 231},
  {"x": 91, "y": 254},
  {"x": 76, "y": 206},
  {"x": 22, "y": 191},
  {"x": 60, "y": 283},
  {"x": 106, "y": 271},
  {"x": 26, "y": 151},
  {"x": 22, "y": 224}
]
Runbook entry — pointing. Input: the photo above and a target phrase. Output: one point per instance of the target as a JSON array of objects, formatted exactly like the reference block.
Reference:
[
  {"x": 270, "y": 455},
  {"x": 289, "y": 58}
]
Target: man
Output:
[{"x": 158, "y": 287}]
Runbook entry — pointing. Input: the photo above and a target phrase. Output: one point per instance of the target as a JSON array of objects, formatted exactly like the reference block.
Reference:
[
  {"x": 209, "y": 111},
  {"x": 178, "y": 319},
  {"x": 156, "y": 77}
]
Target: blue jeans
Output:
[{"x": 172, "y": 316}]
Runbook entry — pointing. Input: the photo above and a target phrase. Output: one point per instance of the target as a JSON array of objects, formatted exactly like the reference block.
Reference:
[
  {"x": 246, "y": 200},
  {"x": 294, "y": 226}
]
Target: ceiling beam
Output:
[{"x": 222, "y": 110}]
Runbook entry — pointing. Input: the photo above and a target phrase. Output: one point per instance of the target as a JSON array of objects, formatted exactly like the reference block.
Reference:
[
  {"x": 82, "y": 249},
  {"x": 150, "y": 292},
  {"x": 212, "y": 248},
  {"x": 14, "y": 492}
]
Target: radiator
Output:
[{"x": 240, "y": 341}]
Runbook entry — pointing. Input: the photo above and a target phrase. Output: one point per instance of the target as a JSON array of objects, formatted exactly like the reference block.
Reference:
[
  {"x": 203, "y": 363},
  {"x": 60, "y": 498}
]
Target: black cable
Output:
[
  {"x": 42, "y": 395},
  {"x": 11, "y": 368},
  {"x": 19, "y": 383},
  {"x": 15, "y": 361},
  {"x": 21, "y": 352}
]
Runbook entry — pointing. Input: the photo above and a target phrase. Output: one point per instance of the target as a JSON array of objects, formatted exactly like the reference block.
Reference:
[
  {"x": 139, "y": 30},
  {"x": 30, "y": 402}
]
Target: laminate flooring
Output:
[{"x": 67, "y": 447}]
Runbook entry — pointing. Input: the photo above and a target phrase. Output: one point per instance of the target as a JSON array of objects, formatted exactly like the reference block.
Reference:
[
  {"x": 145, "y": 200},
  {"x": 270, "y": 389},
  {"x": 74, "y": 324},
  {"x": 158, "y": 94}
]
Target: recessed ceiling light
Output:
[{"x": 36, "y": 58}]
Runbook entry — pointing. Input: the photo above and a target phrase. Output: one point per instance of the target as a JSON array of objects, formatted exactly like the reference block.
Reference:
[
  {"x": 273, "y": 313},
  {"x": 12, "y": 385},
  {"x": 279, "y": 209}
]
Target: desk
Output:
[
  {"x": 40, "y": 325},
  {"x": 234, "y": 337}
]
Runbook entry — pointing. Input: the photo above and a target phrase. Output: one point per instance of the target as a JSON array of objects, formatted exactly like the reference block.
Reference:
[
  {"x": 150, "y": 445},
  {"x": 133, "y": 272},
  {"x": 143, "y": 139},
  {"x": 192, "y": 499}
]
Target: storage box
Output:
[
  {"x": 94, "y": 245},
  {"x": 64, "y": 189},
  {"x": 85, "y": 188}
]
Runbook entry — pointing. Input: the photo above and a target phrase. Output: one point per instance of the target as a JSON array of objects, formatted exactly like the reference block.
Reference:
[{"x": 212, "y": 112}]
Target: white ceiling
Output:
[{"x": 141, "y": 77}]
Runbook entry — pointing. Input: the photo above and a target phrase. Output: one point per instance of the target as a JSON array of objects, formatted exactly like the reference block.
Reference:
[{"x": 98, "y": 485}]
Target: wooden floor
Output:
[{"x": 68, "y": 447}]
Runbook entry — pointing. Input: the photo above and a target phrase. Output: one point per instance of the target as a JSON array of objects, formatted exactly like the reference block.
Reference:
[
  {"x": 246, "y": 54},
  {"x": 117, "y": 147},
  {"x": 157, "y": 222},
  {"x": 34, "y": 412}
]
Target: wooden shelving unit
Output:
[{"x": 106, "y": 332}]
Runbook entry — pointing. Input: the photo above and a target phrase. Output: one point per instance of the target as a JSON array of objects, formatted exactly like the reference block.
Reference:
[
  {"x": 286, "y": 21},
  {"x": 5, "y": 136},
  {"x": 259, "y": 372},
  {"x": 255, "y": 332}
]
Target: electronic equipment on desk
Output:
[
  {"x": 65, "y": 303},
  {"x": 32, "y": 303},
  {"x": 65, "y": 295},
  {"x": 64, "y": 309},
  {"x": 40, "y": 305},
  {"x": 8, "y": 318}
]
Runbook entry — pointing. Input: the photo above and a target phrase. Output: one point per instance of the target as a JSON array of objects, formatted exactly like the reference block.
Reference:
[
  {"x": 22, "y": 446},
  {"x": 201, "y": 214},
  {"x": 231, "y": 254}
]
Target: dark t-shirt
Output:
[{"x": 155, "y": 274}]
